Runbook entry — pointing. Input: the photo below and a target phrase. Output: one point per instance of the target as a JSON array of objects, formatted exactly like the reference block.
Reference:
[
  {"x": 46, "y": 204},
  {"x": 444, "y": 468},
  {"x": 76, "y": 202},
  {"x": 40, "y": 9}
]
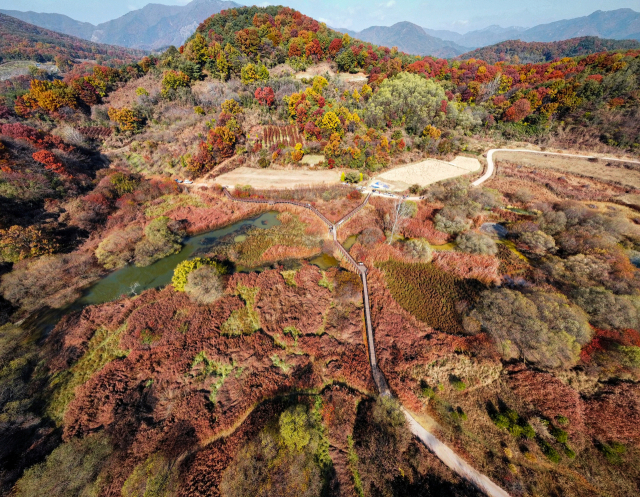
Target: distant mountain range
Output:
[
  {"x": 157, "y": 26},
  {"x": 533, "y": 52},
  {"x": 153, "y": 27},
  {"x": 408, "y": 37},
  {"x": 479, "y": 38}
]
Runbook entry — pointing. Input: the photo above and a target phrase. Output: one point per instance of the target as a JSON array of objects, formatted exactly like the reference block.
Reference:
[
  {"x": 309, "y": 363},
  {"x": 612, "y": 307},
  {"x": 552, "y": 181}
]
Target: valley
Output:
[{"x": 280, "y": 260}]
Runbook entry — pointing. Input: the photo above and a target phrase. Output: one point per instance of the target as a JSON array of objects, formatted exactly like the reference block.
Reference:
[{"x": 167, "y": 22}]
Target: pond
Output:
[
  {"x": 133, "y": 279},
  {"x": 325, "y": 261}
]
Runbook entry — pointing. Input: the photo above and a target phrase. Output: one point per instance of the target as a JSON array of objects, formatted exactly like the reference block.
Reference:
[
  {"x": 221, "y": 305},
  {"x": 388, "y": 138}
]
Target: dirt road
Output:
[{"x": 621, "y": 176}]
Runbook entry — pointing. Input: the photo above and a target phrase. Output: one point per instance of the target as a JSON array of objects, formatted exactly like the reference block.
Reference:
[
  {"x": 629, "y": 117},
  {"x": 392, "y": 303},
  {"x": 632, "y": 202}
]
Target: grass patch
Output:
[
  {"x": 293, "y": 331},
  {"x": 170, "y": 202},
  {"x": 211, "y": 368},
  {"x": 352, "y": 458},
  {"x": 289, "y": 277},
  {"x": 154, "y": 477},
  {"x": 243, "y": 321},
  {"x": 103, "y": 348},
  {"x": 290, "y": 233},
  {"x": 429, "y": 293},
  {"x": 280, "y": 363},
  {"x": 325, "y": 282}
]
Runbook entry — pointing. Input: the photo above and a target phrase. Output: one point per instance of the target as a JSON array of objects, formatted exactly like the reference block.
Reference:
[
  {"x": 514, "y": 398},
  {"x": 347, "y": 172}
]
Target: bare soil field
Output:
[
  {"x": 428, "y": 171},
  {"x": 621, "y": 173},
  {"x": 326, "y": 67},
  {"x": 270, "y": 178}
]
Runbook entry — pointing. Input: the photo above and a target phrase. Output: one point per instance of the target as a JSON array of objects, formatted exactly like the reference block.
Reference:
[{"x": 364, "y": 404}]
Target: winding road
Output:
[
  {"x": 444, "y": 453},
  {"x": 491, "y": 166}
]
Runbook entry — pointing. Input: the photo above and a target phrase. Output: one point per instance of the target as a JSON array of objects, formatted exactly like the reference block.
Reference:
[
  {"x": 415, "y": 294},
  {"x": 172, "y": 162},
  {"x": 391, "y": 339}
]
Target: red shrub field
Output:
[{"x": 163, "y": 333}]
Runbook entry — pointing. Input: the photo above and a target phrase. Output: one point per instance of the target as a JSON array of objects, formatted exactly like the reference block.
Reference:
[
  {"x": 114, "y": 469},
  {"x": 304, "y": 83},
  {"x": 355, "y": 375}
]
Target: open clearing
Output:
[
  {"x": 16, "y": 68},
  {"x": 427, "y": 172},
  {"x": 273, "y": 178},
  {"x": 601, "y": 169}
]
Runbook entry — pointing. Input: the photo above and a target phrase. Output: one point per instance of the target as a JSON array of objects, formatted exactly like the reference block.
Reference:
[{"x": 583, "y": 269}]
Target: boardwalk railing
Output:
[
  {"x": 358, "y": 267},
  {"x": 353, "y": 212}
]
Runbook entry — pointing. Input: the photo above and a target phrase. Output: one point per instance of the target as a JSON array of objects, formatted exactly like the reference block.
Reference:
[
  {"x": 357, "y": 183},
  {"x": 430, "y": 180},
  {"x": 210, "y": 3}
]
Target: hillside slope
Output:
[
  {"x": 22, "y": 41},
  {"x": 537, "y": 52}
]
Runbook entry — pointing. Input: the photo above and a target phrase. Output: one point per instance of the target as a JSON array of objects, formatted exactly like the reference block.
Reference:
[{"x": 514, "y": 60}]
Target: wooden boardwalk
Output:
[{"x": 444, "y": 453}]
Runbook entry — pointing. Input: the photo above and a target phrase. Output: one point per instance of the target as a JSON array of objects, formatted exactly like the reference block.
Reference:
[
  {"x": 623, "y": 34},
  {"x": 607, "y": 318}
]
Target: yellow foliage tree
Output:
[{"x": 125, "y": 118}]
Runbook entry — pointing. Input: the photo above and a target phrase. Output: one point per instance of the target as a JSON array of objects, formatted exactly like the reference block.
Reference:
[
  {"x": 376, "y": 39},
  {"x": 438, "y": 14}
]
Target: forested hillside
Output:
[
  {"x": 22, "y": 41},
  {"x": 522, "y": 52}
]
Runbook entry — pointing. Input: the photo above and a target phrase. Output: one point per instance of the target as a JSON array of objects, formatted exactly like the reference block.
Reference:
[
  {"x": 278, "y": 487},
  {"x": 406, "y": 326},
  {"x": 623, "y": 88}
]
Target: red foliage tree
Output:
[
  {"x": 35, "y": 137},
  {"x": 518, "y": 111},
  {"x": 335, "y": 46},
  {"x": 294, "y": 50},
  {"x": 314, "y": 50},
  {"x": 50, "y": 162},
  {"x": 265, "y": 96}
]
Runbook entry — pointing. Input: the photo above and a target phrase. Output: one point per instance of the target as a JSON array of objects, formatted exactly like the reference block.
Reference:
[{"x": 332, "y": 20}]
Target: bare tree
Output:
[{"x": 400, "y": 212}]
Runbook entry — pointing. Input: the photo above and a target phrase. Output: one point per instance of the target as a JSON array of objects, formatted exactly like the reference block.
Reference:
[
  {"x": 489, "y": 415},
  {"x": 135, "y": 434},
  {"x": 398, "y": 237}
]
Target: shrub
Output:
[
  {"x": 511, "y": 421},
  {"x": 539, "y": 327},
  {"x": 50, "y": 280},
  {"x": 252, "y": 73},
  {"x": 17, "y": 243},
  {"x": 536, "y": 242},
  {"x": 549, "y": 451},
  {"x": 518, "y": 111},
  {"x": 82, "y": 458},
  {"x": 126, "y": 119},
  {"x": 123, "y": 183},
  {"x": 559, "y": 434},
  {"x": 118, "y": 248},
  {"x": 613, "y": 452},
  {"x": 50, "y": 161},
  {"x": 231, "y": 107},
  {"x": 419, "y": 249},
  {"x": 182, "y": 270},
  {"x": 407, "y": 97},
  {"x": 172, "y": 81},
  {"x": 288, "y": 459},
  {"x": 476, "y": 243},
  {"x": 607, "y": 310},
  {"x": 451, "y": 221},
  {"x": 265, "y": 96},
  {"x": 159, "y": 242},
  {"x": 352, "y": 177}
]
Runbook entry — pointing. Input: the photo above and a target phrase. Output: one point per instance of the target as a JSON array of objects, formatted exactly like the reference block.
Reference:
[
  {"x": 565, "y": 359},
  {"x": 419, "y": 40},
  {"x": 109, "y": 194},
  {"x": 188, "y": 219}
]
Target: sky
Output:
[{"x": 455, "y": 15}]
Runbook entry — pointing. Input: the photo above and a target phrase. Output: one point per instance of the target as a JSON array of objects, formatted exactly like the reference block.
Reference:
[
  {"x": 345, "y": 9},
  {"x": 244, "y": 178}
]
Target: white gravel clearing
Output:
[{"x": 427, "y": 172}]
